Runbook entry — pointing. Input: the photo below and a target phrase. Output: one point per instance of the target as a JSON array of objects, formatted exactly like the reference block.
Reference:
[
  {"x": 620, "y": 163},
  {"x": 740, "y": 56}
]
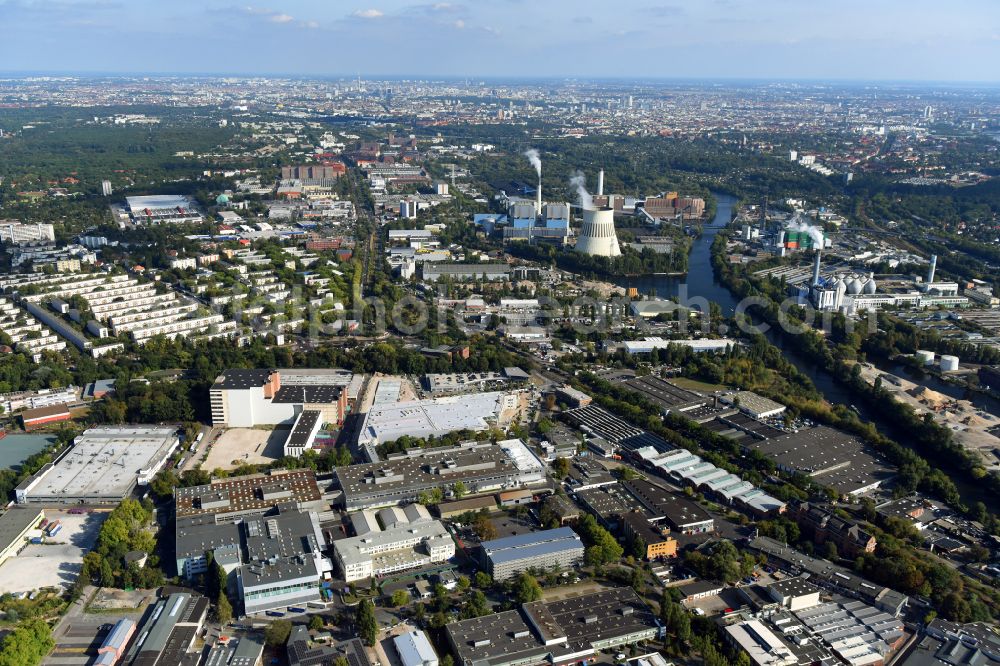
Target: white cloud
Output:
[
  {"x": 459, "y": 24},
  {"x": 310, "y": 24},
  {"x": 281, "y": 18},
  {"x": 368, "y": 14}
]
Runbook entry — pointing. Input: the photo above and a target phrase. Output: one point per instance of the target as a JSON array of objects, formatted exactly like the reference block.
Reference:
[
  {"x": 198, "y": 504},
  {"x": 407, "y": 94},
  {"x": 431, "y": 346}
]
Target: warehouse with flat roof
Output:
[
  {"x": 434, "y": 417},
  {"x": 15, "y": 525},
  {"x": 829, "y": 457},
  {"x": 104, "y": 465}
]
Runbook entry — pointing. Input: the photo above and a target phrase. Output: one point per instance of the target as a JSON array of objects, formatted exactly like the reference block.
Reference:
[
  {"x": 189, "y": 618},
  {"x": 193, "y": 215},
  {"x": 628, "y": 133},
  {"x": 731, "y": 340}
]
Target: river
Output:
[{"x": 701, "y": 282}]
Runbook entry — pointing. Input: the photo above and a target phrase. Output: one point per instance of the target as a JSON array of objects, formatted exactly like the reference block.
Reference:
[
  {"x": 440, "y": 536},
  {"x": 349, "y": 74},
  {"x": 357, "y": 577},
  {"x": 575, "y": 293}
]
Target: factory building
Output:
[
  {"x": 247, "y": 398},
  {"x": 559, "y": 632},
  {"x": 284, "y": 561},
  {"x": 168, "y": 635},
  {"x": 483, "y": 467}
]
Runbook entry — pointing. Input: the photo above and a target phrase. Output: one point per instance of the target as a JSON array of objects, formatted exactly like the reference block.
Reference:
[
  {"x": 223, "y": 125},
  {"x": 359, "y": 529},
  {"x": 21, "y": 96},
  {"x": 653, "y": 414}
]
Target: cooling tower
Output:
[{"x": 598, "y": 235}]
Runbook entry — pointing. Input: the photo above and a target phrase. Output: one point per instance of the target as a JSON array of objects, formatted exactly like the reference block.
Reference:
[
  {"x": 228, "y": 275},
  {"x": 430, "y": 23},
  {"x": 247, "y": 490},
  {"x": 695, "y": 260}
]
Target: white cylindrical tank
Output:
[
  {"x": 924, "y": 356},
  {"x": 598, "y": 237},
  {"x": 949, "y": 363}
]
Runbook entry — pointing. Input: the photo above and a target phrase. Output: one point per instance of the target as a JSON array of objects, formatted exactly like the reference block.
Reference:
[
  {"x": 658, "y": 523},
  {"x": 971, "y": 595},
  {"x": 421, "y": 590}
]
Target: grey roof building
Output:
[
  {"x": 507, "y": 557},
  {"x": 481, "y": 466},
  {"x": 558, "y": 632}
]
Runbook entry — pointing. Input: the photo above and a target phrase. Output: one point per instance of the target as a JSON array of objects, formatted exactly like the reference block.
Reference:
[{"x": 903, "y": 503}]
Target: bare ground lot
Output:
[
  {"x": 239, "y": 446},
  {"x": 53, "y": 564}
]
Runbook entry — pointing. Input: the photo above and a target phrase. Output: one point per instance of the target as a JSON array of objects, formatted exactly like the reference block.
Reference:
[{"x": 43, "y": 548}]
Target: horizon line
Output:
[{"x": 15, "y": 74}]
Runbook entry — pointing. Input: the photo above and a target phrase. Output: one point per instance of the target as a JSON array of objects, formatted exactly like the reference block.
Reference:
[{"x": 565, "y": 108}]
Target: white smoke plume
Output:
[
  {"x": 579, "y": 181},
  {"x": 815, "y": 233},
  {"x": 535, "y": 159}
]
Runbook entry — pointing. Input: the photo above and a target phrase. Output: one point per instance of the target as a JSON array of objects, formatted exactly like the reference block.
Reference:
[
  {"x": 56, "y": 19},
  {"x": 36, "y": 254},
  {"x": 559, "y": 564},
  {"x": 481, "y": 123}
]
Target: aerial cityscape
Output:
[{"x": 501, "y": 334}]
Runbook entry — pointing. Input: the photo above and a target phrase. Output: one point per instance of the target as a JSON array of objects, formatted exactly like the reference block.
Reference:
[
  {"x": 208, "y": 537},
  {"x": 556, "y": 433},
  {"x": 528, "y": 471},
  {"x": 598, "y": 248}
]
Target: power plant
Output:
[{"x": 598, "y": 237}]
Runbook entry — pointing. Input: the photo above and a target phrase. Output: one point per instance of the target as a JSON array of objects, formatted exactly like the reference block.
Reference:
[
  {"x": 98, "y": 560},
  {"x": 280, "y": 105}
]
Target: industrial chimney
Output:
[
  {"x": 538, "y": 202},
  {"x": 600, "y": 183},
  {"x": 815, "y": 280},
  {"x": 930, "y": 271}
]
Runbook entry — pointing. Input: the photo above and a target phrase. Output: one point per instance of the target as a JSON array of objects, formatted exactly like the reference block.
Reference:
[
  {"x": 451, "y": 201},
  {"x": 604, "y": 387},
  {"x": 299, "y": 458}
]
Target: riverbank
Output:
[{"x": 885, "y": 422}]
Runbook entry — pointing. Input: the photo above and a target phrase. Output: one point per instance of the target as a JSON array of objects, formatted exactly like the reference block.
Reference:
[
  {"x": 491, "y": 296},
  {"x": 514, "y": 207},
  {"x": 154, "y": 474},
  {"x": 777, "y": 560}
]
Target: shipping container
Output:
[
  {"x": 55, "y": 530},
  {"x": 275, "y": 614},
  {"x": 37, "y": 539},
  {"x": 296, "y": 609}
]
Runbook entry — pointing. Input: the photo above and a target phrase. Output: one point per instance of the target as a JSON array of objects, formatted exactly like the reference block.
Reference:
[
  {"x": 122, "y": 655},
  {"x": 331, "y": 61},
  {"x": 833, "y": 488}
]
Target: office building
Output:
[
  {"x": 794, "y": 593},
  {"x": 654, "y": 538},
  {"x": 312, "y": 174},
  {"x": 507, "y": 557},
  {"x": 821, "y": 524},
  {"x": 301, "y": 651},
  {"x": 432, "y": 272},
  {"x": 403, "y": 546},
  {"x": 104, "y": 465}
]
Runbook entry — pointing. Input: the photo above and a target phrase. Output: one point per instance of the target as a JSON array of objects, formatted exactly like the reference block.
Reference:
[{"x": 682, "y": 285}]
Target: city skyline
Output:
[{"x": 713, "y": 39}]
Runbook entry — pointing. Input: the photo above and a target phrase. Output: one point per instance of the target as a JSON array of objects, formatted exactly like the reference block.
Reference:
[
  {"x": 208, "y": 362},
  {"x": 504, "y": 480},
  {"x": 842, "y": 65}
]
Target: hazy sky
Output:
[{"x": 845, "y": 39}]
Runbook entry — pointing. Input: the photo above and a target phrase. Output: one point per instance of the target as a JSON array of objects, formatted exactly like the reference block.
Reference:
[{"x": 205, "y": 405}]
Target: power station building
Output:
[{"x": 598, "y": 237}]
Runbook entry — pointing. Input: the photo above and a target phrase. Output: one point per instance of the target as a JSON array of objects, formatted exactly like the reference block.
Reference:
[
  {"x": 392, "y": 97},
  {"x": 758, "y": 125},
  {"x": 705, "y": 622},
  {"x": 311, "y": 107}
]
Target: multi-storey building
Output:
[{"x": 505, "y": 558}]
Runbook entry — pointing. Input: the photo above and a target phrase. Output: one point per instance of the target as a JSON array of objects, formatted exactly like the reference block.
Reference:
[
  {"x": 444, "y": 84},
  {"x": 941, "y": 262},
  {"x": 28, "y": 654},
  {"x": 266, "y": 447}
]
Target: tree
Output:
[
  {"x": 561, "y": 467},
  {"x": 366, "y": 622},
  {"x": 526, "y": 588},
  {"x": 483, "y": 580},
  {"x": 277, "y": 633},
  {"x": 316, "y": 622},
  {"x": 484, "y": 528},
  {"x": 459, "y": 489},
  {"x": 400, "y": 598},
  {"x": 27, "y": 645},
  {"x": 223, "y": 609}
]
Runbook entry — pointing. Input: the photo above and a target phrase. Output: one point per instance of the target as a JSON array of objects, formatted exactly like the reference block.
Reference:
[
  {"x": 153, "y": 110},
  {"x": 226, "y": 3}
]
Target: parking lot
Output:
[
  {"x": 56, "y": 563},
  {"x": 238, "y": 446}
]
